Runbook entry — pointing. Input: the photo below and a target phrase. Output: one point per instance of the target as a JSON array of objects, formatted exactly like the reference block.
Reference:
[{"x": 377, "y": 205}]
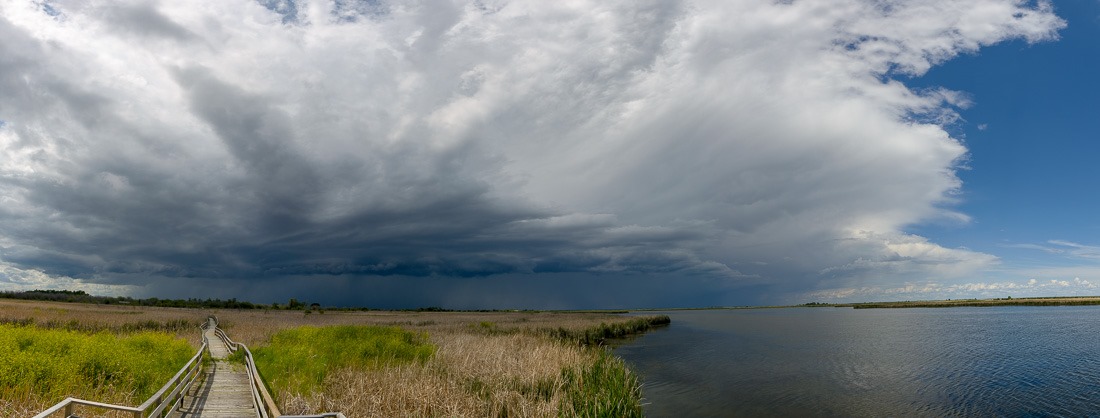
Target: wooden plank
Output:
[{"x": 225, "y": 391}]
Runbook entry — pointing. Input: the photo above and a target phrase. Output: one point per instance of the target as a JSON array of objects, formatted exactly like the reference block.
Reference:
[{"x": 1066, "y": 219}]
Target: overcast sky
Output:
[{"x": 543, "y": 154}]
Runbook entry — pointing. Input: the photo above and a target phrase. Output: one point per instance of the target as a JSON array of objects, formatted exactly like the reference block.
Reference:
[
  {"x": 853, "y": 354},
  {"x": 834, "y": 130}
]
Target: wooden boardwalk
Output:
[{"x": 225, "y": 391}]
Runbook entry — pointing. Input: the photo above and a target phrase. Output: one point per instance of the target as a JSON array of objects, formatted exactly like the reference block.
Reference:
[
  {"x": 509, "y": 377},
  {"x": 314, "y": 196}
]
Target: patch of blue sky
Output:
[
  {"x": 288, "y": 9},
  {"x": 1032, "y": 134},
  {"x": 354, "y": 10},
  {"x": 49, "y": 9}
]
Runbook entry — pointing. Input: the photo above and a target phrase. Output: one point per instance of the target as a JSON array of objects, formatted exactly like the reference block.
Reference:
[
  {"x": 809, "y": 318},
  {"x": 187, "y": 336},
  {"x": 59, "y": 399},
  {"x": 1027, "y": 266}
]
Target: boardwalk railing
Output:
[
  {"x": 265, "y": 404},
  {"x": 159, "y": 405}
]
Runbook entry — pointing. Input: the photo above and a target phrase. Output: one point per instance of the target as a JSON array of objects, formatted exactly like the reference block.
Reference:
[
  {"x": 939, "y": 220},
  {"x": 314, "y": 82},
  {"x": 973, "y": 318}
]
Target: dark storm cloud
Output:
[
  {"x": 260, "y": 216},
  {"x": 144, "y": 19}
]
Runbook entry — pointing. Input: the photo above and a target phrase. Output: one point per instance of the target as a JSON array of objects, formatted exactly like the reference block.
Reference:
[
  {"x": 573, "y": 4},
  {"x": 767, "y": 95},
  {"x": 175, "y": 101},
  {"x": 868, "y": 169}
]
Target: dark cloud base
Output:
[{"x": 544, "y": 291}]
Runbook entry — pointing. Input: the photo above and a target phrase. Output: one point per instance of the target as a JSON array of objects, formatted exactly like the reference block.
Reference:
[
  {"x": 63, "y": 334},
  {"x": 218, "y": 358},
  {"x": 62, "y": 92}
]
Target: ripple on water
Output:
[{"x": 1011, "y": 361}]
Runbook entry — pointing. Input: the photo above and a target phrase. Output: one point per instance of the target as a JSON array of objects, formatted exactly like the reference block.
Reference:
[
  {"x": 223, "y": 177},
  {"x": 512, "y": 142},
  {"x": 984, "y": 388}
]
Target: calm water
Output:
[{"x": 1005, "y": 361}]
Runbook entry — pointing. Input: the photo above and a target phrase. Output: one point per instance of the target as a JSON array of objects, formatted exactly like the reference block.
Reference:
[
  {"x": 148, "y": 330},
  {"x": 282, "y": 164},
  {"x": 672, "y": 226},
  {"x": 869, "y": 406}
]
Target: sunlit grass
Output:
[{"x": 39, "y": 367}]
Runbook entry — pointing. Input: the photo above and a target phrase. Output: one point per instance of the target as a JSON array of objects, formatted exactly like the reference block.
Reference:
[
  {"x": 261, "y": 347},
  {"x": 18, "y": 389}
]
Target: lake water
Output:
[{"x": 1000, "y": 361}]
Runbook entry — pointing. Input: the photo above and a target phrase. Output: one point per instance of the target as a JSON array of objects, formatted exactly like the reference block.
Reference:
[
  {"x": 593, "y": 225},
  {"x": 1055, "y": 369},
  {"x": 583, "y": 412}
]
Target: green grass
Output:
[
  {"x": 297, "y": 360},
  {"x": 55, "y": 363},
  {"x": 604, "y": 388}
]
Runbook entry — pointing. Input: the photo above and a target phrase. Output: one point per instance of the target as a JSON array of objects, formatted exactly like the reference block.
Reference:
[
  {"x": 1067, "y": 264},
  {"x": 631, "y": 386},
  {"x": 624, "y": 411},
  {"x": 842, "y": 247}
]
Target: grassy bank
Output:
[{"x": 39, "y": 367}]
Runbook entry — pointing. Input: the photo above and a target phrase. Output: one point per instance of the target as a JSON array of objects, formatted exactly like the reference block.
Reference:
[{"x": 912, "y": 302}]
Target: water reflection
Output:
[{"x": 1014, "y": 361}]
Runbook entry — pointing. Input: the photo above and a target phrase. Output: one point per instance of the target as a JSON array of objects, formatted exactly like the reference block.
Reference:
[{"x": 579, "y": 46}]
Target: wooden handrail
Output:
[{"x": 181, "y": 382}]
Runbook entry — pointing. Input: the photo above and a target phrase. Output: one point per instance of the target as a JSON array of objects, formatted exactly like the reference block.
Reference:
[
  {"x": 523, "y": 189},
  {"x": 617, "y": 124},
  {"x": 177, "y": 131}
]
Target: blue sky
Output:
[
  {"x": 532, "y": 154},
  {"x": 1033, "y": 135}
]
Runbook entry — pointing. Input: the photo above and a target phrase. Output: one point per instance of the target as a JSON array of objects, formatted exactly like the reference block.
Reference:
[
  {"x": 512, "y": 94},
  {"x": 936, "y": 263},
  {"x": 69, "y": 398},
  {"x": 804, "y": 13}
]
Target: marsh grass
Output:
[
  {"x": 480, "y": 371},
  {"x": 470, "y": 375},
  {"x": 298, "y": 360},
  {"x": 121, "y": 320},
  {"x": 39, "y": 367},
  {"x": 485, "y": 364},
  {"x": 602, "y": 388},
  {"x": 599, "y": 334}
]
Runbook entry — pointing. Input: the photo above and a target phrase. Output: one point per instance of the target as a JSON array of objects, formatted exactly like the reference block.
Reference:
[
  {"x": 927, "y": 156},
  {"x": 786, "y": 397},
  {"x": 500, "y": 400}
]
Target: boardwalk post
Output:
[{"x": 68, "y": 410}]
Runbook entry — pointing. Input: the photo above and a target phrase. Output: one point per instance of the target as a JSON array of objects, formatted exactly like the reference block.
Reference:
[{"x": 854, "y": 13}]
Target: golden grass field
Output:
[{"x": 485, "y": 363}]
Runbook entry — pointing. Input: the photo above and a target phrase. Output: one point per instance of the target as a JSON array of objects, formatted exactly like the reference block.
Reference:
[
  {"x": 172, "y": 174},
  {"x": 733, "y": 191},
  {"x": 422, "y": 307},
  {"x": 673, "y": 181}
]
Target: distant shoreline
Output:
[
  {"x": 956, "y": 303},
  {"x": 946, "y": 303}
]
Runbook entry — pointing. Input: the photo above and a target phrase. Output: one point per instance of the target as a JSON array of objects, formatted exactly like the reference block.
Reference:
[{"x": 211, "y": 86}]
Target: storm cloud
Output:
[{"x": 741, "y": 148}]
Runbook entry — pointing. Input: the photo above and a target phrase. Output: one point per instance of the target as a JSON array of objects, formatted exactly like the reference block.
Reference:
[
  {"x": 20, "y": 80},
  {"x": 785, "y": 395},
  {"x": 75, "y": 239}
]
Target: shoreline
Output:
[{"x": 958, "y": 303}]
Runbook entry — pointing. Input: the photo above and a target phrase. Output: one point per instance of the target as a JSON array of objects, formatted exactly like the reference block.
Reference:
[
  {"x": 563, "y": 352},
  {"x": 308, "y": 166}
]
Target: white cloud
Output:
[
  {"x": 15, "y": 279},
  {"x": 1062, "y": 247},
  {"x": 932, "y": 290},
  {"x": 1074, "y": 249},
  {"x": 757, "y": 141}
]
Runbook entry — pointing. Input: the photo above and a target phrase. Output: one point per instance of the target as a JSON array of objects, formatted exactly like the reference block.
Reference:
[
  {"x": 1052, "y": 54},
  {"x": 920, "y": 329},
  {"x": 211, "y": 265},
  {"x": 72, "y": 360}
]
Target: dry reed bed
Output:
[
  {"x": 256, "y": 326},
  {"x": 470, "y": 376},
  {"x": 182, "y": 322}
]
